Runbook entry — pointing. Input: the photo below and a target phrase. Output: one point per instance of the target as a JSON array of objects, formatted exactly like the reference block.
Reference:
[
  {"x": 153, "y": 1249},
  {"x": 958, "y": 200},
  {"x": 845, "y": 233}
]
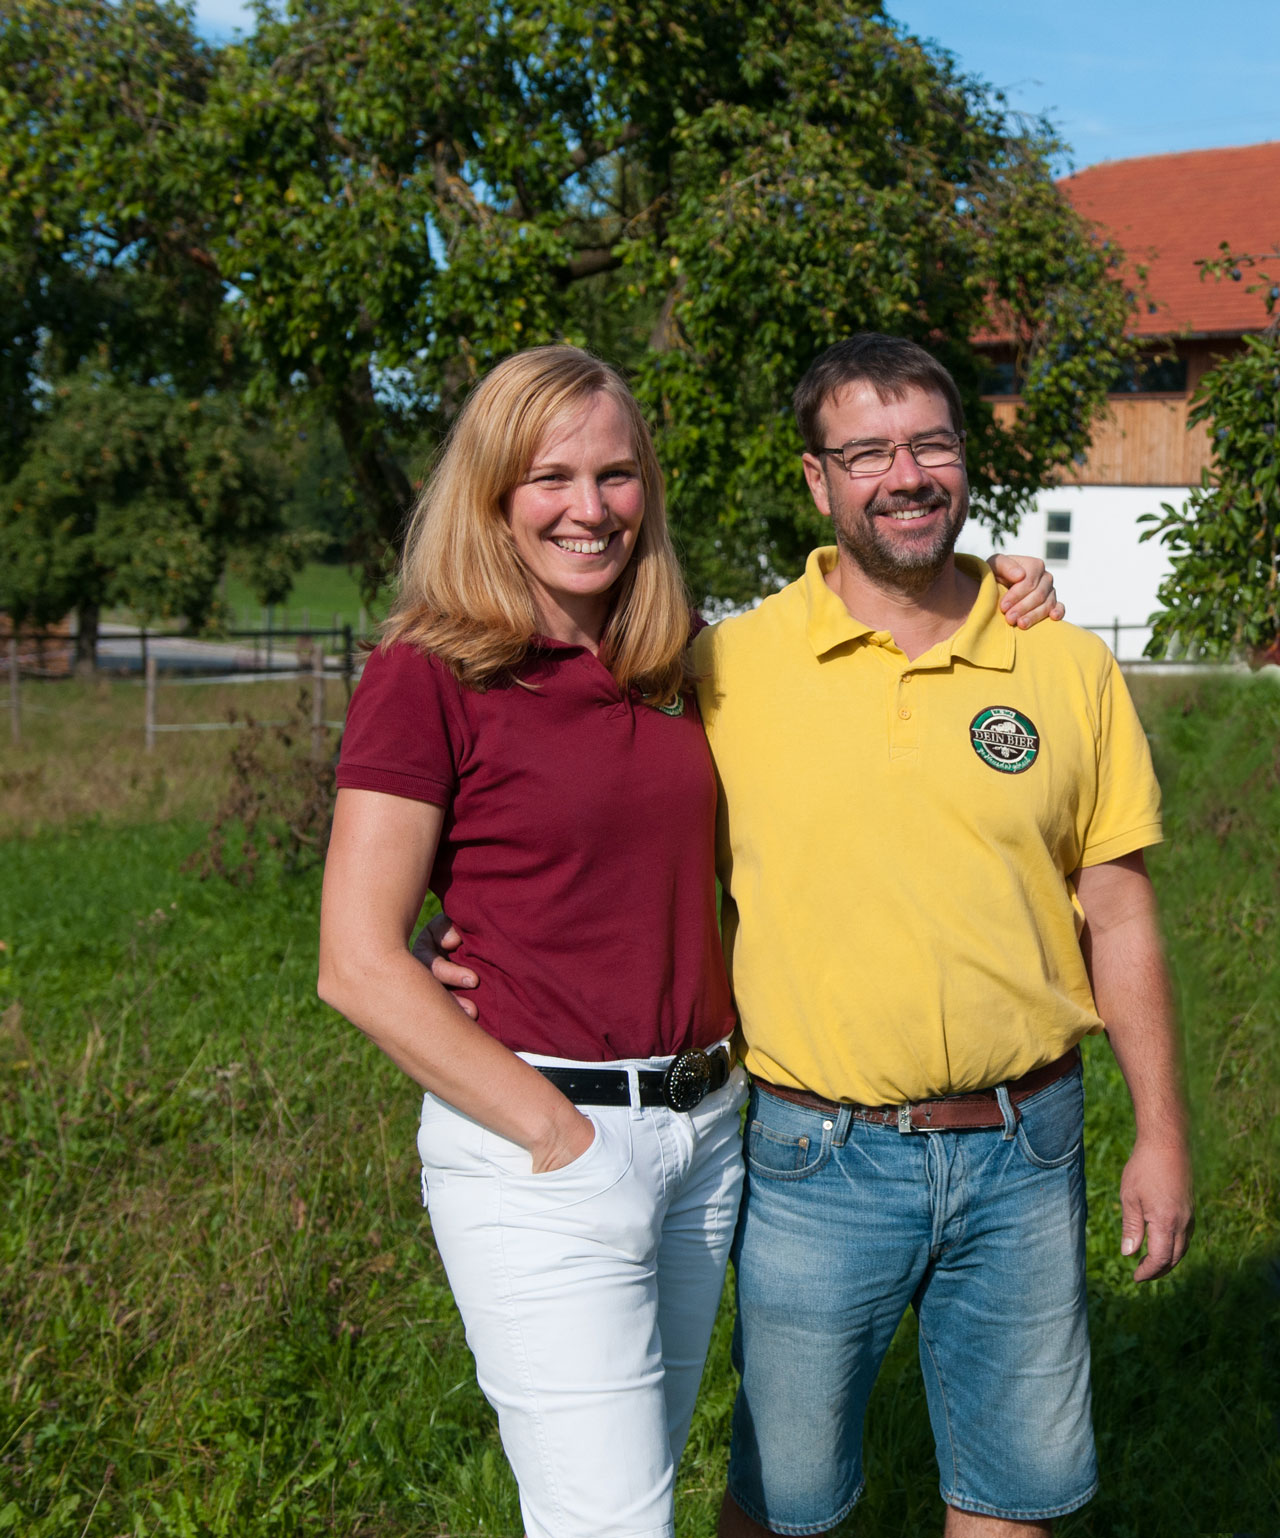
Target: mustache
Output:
[{"x": 937, "y": 496}]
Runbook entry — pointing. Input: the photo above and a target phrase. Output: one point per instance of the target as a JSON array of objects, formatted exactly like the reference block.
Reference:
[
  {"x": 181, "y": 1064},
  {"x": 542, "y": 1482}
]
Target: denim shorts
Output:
[{"x": 845, "y": 1223}]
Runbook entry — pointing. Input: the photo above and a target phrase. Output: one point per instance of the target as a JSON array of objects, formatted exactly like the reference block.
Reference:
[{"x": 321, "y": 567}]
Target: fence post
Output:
[
  {"x": 317, "y": 701},
  {"x": 268, "y": 638},
  {"x": 348, "y": 658},
  {"x": 151, "y": 702},
  {"x": 15, "y": 704},
  {"x": 1115, "y": 638}
]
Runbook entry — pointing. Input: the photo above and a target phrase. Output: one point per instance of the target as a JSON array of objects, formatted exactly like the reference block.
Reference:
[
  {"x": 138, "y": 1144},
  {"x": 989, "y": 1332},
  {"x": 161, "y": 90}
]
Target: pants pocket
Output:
[
  {"x": 1051, "y": 1128},
  {"x": 783, "y": 1141}
]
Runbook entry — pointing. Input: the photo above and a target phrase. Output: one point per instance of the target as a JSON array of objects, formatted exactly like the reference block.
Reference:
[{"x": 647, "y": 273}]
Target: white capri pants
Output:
[{"x": 589, "y": 1294}]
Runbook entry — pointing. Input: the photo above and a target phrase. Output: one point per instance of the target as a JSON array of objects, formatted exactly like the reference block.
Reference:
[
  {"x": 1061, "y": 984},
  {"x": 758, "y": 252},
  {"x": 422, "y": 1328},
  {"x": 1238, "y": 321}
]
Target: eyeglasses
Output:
[{"x": 875, "y": 456}]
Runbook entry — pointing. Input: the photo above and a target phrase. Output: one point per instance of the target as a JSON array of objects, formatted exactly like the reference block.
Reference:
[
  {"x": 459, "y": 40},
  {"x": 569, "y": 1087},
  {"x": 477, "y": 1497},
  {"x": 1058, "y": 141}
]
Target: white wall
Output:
[{"x": 1107, "y": 575}]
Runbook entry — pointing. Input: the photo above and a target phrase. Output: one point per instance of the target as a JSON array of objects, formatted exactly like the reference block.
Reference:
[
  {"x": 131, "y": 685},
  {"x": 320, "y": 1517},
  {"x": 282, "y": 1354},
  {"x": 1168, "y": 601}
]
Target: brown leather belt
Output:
[{"x": 949, "y": 1113}]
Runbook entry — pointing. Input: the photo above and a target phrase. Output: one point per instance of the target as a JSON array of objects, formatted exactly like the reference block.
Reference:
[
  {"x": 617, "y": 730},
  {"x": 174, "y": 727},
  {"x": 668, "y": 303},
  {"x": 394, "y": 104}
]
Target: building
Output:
[{"x": 1167, "y": 212}]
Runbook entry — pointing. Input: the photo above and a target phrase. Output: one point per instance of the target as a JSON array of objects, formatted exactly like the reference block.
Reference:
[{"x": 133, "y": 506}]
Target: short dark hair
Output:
[{"x": 891, "y": 365}]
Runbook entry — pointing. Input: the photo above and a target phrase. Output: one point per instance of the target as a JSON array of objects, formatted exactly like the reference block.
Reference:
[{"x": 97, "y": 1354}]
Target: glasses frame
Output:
[{"x": 838, "y": 454}]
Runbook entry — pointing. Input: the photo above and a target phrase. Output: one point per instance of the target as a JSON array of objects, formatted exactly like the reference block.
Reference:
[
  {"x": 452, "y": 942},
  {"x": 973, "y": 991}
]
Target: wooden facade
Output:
[
  {"x": 46, "y": 652},
  {"x": 1144, "y": 440}
]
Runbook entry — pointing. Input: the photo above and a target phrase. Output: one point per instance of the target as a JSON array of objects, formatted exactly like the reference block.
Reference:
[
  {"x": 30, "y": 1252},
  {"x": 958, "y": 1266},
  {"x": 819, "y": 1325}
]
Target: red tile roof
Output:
[{"x": 1170, "y": 210}]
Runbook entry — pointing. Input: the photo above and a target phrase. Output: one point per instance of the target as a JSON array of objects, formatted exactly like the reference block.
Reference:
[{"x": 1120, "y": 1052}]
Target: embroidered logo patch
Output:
[
  {"x": 675, "y": 709},
  {"x": 1004, "y": 739}
]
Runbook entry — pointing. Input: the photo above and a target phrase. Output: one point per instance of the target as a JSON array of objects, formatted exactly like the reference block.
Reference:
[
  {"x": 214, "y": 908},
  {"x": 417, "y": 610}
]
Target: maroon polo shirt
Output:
[{"x": 577, "y": 852}]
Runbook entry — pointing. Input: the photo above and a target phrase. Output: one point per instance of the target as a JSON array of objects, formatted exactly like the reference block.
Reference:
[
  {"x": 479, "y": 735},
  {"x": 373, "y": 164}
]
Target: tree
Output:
[
  {"x": 134, "y": 495},
  {"x": 394, "y": 196},
  {"x": 1222, "y": 593},
  {"x": 129, "y": 472},
  {"x": 99, "y": 245}
]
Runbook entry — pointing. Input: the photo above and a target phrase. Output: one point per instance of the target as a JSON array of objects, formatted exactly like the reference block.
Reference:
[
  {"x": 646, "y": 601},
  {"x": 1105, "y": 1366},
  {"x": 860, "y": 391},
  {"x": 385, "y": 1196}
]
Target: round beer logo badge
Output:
[{"x": 1004, "y": 739}]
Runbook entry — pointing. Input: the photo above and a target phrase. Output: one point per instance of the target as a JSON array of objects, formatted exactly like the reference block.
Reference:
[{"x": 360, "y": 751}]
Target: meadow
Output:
[
  {"x": 221, "y": 1312},
  {"x": 322, "y": 593}
]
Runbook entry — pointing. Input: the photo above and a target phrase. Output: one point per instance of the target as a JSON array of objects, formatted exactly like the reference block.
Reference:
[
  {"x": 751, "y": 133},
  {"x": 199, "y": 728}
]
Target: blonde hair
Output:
[{"x": 464, "y": 593}]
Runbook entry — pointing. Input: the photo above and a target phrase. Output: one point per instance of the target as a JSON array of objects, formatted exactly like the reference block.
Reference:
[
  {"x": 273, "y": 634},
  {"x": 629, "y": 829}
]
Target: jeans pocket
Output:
[
  {"x": 788, "y": 1148},
  {"x": 1051, "y": 1128}
]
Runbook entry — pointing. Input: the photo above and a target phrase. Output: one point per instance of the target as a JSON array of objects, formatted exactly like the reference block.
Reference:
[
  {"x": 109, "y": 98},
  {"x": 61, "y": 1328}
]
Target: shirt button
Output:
[
  {"x": 905, "y": 714},
  {"x": 907, "y": 677}
]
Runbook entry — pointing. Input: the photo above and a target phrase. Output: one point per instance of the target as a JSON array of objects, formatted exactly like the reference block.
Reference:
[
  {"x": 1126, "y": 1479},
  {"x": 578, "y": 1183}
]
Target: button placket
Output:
[{"x": 903, "y": 735}]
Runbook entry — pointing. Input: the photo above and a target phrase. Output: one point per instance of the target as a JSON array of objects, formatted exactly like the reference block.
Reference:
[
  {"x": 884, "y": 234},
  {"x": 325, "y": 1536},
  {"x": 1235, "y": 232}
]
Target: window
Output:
[
  {"x": 1057, "y": 547},
  {"x": 1001, "y": 379},
  {"x": 1151, "y": 375}
]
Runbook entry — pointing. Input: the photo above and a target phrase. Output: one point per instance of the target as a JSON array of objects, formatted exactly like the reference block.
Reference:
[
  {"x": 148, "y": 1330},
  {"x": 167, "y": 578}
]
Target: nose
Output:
[
  {"x": 904, "y": 474},
  {"x": 588, "y": 503}
]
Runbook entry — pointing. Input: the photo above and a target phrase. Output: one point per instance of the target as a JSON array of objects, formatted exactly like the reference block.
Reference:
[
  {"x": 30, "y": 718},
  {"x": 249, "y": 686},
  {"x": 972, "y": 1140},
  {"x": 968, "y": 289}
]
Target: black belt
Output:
[{"x": 684, "y": 1083}]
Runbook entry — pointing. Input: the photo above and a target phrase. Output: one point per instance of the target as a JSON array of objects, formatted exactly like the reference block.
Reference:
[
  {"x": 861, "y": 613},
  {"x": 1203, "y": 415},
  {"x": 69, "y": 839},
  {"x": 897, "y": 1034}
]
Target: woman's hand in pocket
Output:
[{"x": 567, "y": 1140}]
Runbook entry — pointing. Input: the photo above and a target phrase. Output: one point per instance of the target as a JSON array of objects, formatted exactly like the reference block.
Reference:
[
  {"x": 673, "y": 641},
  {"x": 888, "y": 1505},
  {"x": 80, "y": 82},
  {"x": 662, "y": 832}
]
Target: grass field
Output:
[
  {"x": 320, "y": 593},
  {"x": 81, "y": 758},
  {"x": 220, "y": 1309},
  {"x": 323, "y": 593}
]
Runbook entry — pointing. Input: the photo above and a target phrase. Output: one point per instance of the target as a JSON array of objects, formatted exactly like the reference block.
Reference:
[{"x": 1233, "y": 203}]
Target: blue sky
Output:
[{"x": 1128, "y": 77}]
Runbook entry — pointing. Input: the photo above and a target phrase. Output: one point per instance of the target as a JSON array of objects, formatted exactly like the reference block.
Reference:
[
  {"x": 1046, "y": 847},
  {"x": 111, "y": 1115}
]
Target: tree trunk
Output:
[
  {"x": 383, "y": 486},
  {"x": 86, "y": 658}
]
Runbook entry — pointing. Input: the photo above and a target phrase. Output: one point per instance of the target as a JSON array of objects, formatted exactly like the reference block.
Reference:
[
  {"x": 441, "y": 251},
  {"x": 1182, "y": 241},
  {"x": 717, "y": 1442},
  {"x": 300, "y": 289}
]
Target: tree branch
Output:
[
  {"x": 597, "y": 149},
  {"x": 587, "y": 263}
]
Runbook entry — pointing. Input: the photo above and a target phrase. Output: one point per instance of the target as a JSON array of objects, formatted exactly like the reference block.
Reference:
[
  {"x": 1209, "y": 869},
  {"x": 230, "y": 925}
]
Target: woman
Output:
[{"x": 523, "y": 742}]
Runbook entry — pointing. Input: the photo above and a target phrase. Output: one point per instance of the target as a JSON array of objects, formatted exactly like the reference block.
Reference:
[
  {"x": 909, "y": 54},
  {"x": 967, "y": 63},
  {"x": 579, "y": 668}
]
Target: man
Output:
[{"x": 930, "y": 847}]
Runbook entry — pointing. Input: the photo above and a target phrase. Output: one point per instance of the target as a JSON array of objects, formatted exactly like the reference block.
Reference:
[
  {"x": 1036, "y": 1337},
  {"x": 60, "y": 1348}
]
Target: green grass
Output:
[
  {"x": 220, "y": 1308},
  {"x": 323, "y": 592},
  {"x": 81, "y": 755},
  {"x": 320, "y": 592}
]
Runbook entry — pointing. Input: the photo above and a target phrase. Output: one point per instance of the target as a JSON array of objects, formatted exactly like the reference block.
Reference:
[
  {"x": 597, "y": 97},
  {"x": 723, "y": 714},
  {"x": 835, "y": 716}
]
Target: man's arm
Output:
[{"x": 1121, "y": 943}]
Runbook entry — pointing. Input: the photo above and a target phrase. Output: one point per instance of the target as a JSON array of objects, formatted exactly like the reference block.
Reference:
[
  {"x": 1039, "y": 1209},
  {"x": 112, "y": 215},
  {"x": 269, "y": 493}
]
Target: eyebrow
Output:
[
  {"x": 925, "y": 432},
  {"x": 543, "y": 465}
]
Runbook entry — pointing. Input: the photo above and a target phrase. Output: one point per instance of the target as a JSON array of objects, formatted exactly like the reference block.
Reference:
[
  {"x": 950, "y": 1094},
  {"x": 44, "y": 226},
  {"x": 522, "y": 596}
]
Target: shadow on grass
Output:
[{"x": 1186, "y": 1412}]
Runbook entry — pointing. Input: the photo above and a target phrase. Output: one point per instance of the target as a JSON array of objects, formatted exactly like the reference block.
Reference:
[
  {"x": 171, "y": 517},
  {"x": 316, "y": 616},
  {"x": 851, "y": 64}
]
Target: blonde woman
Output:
[{"x": 524, "y": 744}]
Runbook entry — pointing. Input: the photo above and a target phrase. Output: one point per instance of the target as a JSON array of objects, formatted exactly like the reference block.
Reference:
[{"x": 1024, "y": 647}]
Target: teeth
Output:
[
  {"x": 909, "y": 513},
  {"x": 582, "y": 546}
]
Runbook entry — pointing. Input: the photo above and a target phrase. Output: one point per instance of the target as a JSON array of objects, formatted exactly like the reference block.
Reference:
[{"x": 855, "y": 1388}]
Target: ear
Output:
[{"x": 815, "y": 475}]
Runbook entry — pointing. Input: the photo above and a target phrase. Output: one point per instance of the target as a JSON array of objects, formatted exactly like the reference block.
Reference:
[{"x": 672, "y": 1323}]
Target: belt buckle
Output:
[
  {"x": 904, "y": 1118},
  {"x": 687, "y": 1079}
]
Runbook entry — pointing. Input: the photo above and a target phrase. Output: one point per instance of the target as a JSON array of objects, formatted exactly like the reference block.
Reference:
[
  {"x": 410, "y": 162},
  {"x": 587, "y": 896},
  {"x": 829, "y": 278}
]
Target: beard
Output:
[{"x": 904, "y": 565}]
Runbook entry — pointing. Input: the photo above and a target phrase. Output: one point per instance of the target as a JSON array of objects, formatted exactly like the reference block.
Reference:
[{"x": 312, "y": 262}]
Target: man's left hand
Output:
[{"x": 1155, "y": 1202}]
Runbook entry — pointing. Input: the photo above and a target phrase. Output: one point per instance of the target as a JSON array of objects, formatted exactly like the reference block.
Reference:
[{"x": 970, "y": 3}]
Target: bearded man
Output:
[{"x": 930, "y": 843}]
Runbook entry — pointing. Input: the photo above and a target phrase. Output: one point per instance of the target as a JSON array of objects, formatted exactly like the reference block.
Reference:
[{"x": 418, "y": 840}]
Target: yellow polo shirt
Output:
[{"x": 896, "y": 838}]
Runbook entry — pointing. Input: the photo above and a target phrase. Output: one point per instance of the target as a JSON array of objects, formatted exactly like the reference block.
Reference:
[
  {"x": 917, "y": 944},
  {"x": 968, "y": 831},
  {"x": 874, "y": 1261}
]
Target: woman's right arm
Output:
[{"x": 380, "y": 854}]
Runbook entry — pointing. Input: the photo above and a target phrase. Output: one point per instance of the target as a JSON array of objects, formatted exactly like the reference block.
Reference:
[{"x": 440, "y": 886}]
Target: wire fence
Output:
[
  {"x": 247, "y": 656},
  {"x": 167, "y": 658}
]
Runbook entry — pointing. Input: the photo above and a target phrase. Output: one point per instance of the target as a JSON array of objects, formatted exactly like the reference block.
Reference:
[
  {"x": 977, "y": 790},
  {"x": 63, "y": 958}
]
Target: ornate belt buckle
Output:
[{"x": 687, "y": 1079}]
